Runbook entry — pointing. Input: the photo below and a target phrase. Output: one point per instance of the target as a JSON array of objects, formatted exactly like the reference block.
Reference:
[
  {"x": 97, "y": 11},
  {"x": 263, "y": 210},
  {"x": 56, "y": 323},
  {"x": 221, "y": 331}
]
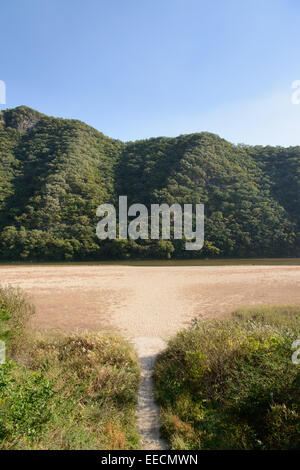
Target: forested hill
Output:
[{"x": 55, "y": 172}]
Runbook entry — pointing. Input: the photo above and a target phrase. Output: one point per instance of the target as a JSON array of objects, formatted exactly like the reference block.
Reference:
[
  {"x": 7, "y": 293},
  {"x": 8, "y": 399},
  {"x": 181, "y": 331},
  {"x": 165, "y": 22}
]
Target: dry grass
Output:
[
  {"x": 69, "y": 392},
  {"x": 15, "y": 312}
]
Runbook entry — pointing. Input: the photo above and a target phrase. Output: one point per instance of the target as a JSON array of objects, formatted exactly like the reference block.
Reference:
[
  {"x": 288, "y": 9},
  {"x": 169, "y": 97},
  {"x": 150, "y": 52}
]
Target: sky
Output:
[{"x": 135, "y": 69}]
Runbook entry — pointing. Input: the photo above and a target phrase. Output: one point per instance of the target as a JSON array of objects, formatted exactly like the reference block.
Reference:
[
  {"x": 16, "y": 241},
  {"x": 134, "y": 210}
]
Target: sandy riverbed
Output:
[{"x": 146, "y": 301}]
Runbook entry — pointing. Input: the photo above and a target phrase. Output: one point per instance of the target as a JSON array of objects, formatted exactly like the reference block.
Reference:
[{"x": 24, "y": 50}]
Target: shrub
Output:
[
  {"x": 25, "y": 402},
  {"x": 231, "y": 384}
]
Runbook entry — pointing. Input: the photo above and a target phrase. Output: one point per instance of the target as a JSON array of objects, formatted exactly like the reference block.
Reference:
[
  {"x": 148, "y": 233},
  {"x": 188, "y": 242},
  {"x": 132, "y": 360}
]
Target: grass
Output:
[
  {"x": 66, "y": 392},
  {"x": 231, "y": 384},
  {"x": 15, "y": 311}
]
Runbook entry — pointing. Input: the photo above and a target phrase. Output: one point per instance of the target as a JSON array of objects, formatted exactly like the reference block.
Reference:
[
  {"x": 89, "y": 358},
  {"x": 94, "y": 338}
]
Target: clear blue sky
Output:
[{"x": 140, "y": 68}]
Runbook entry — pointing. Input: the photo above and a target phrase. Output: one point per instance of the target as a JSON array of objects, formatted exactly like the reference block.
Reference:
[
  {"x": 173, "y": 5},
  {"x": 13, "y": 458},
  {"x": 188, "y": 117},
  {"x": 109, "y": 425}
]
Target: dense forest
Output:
[{"x": 55, "y": 172}]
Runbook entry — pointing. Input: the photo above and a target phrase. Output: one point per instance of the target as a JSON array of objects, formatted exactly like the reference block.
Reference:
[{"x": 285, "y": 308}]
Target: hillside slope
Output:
[{"x": 55, "y": 172}]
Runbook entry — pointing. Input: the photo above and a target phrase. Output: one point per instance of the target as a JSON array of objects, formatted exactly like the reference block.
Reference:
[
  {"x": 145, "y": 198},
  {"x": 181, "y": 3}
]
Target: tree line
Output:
[{"x": 55, "y": 172}]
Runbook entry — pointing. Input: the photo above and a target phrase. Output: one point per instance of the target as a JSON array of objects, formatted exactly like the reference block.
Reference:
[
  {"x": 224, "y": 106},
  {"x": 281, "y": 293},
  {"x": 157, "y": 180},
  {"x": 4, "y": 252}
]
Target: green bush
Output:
[
  {"x": 231, "y": 384},
  {"x": 25, "y": 403}
]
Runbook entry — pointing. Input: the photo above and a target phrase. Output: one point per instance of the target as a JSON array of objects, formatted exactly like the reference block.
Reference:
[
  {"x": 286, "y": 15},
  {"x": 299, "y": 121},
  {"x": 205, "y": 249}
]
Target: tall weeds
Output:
[{"x": 231, "y": 384}]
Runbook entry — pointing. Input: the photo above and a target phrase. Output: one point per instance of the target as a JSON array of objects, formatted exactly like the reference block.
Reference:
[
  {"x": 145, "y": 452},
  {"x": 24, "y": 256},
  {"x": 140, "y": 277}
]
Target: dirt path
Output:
[
  {"x": 148, "y": 411},
  {"x": 147, "y": 304}
]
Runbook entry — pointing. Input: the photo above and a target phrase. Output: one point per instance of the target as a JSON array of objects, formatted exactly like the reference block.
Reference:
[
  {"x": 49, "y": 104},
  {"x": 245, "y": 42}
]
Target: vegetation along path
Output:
[{"x": 147, "y": 304}]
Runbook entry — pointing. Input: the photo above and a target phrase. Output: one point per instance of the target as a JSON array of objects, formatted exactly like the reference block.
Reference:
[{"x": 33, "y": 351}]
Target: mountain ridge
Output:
[{"x": 54, "y": 172}]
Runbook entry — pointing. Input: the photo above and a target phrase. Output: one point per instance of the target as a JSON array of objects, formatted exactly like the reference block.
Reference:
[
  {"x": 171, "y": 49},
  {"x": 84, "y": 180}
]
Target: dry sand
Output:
[
  {"x": 146, "y": 301},
  {"x": 147, "y": 304}
]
